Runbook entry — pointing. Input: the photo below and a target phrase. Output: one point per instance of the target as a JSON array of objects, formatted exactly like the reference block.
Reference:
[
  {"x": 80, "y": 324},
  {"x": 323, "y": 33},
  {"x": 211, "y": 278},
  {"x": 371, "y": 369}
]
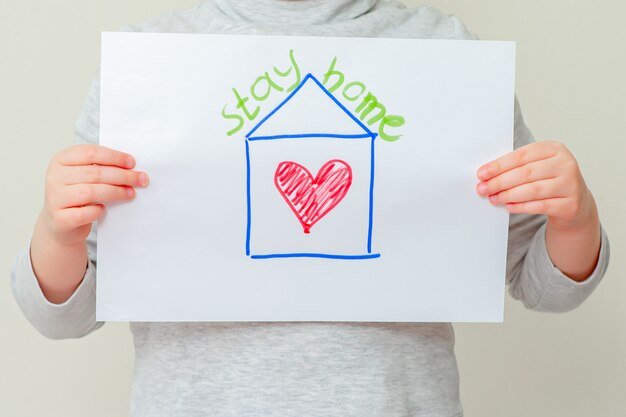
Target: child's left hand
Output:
[{"x": 539, "y": 178}]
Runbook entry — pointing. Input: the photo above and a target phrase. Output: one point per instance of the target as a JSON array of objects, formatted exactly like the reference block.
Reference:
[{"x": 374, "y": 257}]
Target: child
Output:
[{"x": 557, "y": 255}]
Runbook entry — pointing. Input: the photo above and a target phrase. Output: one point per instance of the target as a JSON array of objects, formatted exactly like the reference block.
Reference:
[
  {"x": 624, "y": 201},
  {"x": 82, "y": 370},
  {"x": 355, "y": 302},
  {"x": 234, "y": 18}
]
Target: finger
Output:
[
  {"x": 549, "y": 207},
  {"x": 534, "y": 171},
  {"x": 72, "y": 218},
  {"x": 522, "y": 156},
  {"x": 98, "y": 174},
  {"x": 85, "y": 194},
  {"x": 95, "y": 154},
  {"x": 537, "y": 190}
]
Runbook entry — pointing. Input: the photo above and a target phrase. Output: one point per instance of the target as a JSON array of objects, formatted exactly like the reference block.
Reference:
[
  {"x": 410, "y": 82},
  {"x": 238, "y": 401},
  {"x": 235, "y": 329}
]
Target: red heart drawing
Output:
[{"x": 313, "y": 198}]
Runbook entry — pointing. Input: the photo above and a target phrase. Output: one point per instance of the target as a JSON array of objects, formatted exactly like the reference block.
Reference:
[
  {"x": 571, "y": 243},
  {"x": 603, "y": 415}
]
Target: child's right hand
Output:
[{"x": 79, "y": 181}]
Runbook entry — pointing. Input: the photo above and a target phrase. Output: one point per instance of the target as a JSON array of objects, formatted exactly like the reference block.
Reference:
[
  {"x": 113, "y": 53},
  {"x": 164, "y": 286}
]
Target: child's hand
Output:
[
  {"x": 544, "y": 178},
  {"x": 539, "y": 178},
  {"x": 79, "y": 181}
]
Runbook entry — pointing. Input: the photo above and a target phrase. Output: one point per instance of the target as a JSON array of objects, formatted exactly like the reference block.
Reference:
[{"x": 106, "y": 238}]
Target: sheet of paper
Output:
[{"x": 304, "y": 179}]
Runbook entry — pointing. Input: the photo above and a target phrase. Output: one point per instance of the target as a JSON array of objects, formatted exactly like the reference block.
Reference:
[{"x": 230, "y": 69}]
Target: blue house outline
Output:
[{"x": 367, "y": 135}]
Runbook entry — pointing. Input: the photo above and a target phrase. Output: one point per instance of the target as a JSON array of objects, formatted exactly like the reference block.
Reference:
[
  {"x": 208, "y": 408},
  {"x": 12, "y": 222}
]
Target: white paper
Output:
[{"x": 245, "y": 227}]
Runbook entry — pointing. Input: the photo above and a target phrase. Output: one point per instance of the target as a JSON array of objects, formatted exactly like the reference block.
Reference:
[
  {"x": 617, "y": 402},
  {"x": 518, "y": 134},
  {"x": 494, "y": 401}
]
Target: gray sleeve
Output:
[
  {"x": 531, "y": 276},
  {"x": 77, "y": 316}
]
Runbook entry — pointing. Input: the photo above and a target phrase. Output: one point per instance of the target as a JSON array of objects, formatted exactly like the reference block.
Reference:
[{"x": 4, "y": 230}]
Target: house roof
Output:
[{"x": 310, "y": 111}]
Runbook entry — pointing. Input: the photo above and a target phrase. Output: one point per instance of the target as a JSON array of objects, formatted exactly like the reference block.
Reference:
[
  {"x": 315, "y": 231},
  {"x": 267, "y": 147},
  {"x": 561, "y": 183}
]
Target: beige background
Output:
[{"x": 571, "y": 68}]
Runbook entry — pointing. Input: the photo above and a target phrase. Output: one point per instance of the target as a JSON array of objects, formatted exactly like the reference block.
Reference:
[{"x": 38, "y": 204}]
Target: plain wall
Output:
[{"x": 570, "y": 81}]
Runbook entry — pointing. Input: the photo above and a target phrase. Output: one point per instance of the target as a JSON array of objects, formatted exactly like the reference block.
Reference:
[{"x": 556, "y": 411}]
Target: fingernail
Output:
[
  {"x": 130, "y": 161},
  {"x": 143, "y": 179},
  {"x": 482, "y": 173},
  {"x": 493, "y": 199},
  {"x": 130, "y": 192},
  {"x": 482, "y": 188}
]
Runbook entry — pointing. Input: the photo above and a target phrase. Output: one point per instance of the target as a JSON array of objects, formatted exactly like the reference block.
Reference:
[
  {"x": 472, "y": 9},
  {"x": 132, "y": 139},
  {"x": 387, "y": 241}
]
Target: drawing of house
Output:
[{"x": 310, "y": 180}]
